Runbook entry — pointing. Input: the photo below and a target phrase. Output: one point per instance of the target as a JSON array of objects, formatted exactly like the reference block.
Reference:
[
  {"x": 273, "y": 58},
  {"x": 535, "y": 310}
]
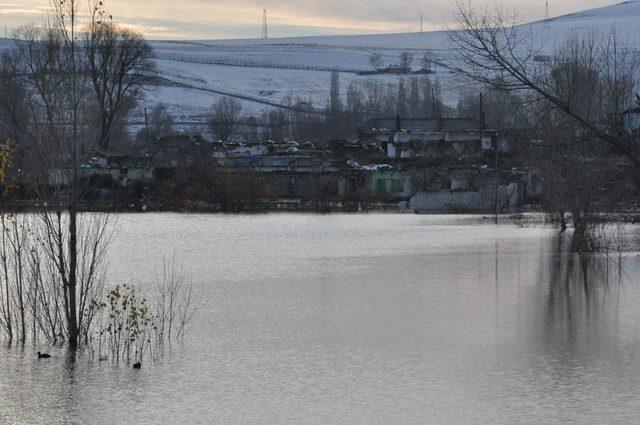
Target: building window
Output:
[
  {"x": 353, "y": 184},
  {"x": 293, "y": 181},
  {"x": 381, "y": 185}
]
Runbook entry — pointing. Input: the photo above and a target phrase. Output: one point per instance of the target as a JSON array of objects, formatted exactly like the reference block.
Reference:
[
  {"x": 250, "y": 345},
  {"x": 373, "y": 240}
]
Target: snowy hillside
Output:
[
  {"x": 276, "y": 69},
  {"x": 623, "y": 15},
  {"x": 265, "y": 73}
]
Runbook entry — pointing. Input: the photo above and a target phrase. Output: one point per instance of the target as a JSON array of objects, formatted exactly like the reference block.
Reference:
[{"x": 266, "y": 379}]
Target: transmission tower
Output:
[
  {"x": 265, "y": 26},
  {"x": 546, "y": 15}
]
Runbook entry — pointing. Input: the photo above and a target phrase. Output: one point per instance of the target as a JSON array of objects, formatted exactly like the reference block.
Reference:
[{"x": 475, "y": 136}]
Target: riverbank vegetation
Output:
[
  {"x": 68, "y": 87},
  {"x": 568, "y": 101}
]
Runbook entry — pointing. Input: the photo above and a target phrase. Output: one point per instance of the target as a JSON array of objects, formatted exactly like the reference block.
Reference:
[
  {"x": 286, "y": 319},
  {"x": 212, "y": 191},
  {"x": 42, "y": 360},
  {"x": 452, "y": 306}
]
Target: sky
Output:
[{"x": 225, "y": 19}]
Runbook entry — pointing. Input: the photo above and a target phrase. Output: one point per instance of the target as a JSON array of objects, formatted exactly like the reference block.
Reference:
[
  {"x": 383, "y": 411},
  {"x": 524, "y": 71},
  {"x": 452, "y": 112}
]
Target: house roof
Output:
[{"x": 424, "y": 124}]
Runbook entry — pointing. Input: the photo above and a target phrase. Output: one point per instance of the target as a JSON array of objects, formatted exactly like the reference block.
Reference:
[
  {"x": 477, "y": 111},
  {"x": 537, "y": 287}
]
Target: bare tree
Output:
[
  {"x": 176, "y": 303},
  {"x": 401, "y": 107},
  {"x": 406, "y": 59},
  {"x": 250, "y": 132},
  {"x": 224, "y": 117},
  {"x": 335, "y": 107},
  {"x": 571, "y": 101},
  {"x": 427, "y": 60},
  {"x": 119, "y": 66},
  {"x": 493, "y": 49},
  {"x": 159, "y": 123},
  {"x": 306, "y": 126},
  {"x": 275, "y": 125},
  {"x": 60, "y": 130},
  {"x": 375, "y": 60}
]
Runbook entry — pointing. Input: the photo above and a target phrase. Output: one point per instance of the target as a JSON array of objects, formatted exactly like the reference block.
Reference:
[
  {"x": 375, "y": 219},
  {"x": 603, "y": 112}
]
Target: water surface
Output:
[{"x": 360, "y": 319}]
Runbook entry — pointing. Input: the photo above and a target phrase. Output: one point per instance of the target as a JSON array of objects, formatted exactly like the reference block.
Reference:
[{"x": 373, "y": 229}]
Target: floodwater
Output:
[{"x": 360, "y": 319}]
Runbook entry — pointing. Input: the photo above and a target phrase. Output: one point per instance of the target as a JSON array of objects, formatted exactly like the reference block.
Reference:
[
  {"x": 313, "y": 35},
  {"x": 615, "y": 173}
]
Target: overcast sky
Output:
[{"x": 215, "y": 19}]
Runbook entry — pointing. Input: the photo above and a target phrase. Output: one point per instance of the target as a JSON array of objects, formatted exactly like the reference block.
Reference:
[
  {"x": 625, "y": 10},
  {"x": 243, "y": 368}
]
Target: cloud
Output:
[
  {"x": 18, "y": 11},
  {"x": 242, "y": 18}
]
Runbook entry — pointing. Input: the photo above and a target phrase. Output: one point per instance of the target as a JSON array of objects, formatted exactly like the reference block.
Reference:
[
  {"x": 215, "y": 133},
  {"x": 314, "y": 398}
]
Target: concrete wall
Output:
[
  {"x": 466, "y": 201},
  {"x": 302, "y": 186},
  {"x": 446, "y": 201},
  {"x": 392, "y": 184}
]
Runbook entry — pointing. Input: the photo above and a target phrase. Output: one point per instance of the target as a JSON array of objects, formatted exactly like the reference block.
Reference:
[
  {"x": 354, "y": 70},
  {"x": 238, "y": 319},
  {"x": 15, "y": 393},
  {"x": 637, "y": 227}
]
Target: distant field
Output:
[
  {"x": 275, "y": 69},
  {"x": 264, "y": 73}
]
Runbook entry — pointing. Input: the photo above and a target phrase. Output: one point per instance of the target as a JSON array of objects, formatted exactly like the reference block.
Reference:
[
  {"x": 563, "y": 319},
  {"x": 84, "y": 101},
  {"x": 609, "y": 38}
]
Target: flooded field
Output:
[{"x": 359, "y": 319}]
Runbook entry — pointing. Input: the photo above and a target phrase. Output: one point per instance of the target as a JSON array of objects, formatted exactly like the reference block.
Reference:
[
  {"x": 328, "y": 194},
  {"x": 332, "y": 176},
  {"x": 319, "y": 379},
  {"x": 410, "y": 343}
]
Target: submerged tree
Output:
[
  {"x": 571, "y": 98},
  {"x": 76, "y": 78}
]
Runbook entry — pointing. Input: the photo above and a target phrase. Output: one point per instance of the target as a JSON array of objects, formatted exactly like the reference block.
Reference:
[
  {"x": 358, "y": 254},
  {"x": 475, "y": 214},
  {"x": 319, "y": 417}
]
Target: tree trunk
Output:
[
  {"x": 73, "y": 260},
  {"x": 563, "y": 222}
]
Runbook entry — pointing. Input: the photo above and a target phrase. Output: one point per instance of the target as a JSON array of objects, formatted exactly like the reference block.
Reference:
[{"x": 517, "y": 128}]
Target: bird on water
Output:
[
  {"x": 43, "y": 355},
  {"x": 137, "y": 365}
]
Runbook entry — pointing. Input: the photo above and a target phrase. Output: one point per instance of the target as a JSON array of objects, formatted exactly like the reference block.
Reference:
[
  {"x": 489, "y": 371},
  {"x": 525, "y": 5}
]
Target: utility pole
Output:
[
  {"x": 482, "y": 117},
  {"x": 265, "y": 26},
  {"x": 433, "y": 102},
  {"x": 496, "y": 175},
  {"x": 146, "y": 128},
  {"x": 421, "y": 23}
]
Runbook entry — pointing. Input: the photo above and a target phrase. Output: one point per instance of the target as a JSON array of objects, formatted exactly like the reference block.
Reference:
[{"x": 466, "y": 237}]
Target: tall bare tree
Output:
[
  {"x": 492, "y": 48},
  {"x": 76, "y": 77},
  {"x": 159, "y": 123},
  {"x": 406, "y": 59},
  {"x": 119, "y": 66},
  {"x": 376, "y": 61},
  {"x": 275, "y": 125},
  {"x": 224, "y": 117}
]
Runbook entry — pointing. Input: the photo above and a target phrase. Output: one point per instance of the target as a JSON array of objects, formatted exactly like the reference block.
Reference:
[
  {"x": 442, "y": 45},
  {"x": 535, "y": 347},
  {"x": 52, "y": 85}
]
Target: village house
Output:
[
  {"x": 442, "y": 164},
  {"x": 461, "y": 139},
  {"x": 293, "y": 176},
  {"x": 436, "y": 165}
]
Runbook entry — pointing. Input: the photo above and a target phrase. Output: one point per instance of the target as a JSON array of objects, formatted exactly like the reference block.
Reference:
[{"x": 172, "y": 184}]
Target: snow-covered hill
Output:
[
  {"x": 275, "y": 69},
  {"x": 264, "y": 73},
  {"x": 623, "y": 15}
]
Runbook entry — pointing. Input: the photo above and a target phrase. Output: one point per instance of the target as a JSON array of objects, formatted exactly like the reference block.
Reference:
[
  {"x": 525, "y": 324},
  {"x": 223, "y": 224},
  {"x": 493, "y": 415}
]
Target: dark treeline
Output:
[{"x": 339, "y": 116}]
